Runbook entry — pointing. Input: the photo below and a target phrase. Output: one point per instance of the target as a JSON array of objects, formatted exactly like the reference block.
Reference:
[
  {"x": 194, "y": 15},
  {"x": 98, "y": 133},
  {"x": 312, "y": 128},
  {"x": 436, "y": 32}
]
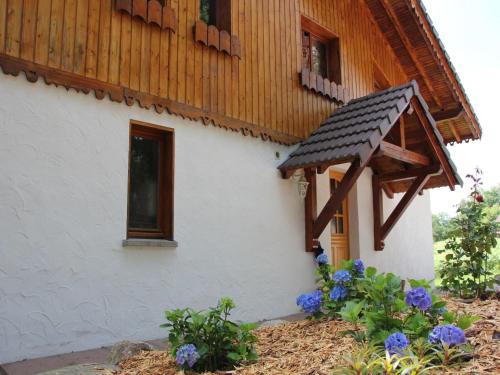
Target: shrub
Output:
[
  {"x": 208, "y": 340},
  {"x": 466, "y": 270},
  {"x": 406, "y": 333}
]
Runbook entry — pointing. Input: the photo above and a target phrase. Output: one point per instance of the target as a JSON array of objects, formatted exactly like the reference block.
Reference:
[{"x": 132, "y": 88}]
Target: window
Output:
[
  {"x": 150, "y": 194},
  {"x": 320, "y": 51},
  {"x": 217, "y": 13}
]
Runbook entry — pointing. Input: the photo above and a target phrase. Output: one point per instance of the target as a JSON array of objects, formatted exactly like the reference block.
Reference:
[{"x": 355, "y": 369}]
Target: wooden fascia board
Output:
[
  {"x": 435, "y": 144},
  {"x": 434, "y": 44},
  {"x": 395, "y": 152}
]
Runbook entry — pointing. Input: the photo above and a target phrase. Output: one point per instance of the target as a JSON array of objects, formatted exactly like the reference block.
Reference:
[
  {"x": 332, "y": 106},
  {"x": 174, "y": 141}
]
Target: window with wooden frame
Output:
[
  {"x": 151, "y": 182},
  {"x": 216, "y": 13},
  {"x": 320, "y": 51}
]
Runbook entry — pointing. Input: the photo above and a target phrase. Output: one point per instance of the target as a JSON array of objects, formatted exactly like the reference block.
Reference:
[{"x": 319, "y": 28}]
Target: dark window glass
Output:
[
  {"x": 318, "y": 58},
  {"x": 217, "y": 13},
  {"x": 144, "y": 183},
  {"x": 150, "y": 195}
]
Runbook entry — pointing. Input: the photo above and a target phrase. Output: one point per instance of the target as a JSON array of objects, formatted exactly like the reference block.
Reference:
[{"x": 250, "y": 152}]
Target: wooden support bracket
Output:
[
  {"x": 336, "y": 199},
  {"x": 382, "y": 230}
]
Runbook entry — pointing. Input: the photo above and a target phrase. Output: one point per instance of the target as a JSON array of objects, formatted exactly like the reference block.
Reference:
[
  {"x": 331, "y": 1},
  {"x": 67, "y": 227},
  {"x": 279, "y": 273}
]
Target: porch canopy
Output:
[{"x": 392, "y": 132}]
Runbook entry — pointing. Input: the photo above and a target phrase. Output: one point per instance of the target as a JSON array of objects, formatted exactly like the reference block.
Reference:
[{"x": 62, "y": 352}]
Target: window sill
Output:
[
  {"x": 211, "y": 36},
  {"x": 146, "y": 242},
  {"x": 323, "y": 86}
]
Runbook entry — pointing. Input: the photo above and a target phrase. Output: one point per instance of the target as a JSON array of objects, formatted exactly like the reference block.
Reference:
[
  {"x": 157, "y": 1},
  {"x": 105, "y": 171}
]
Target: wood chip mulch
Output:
[{"x": 316, "y": 348}]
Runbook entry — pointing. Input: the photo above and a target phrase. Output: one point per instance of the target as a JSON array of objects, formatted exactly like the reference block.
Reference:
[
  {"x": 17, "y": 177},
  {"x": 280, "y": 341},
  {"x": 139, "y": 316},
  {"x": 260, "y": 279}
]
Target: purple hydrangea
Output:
[
  {"x": 322, "y": 259},
  {"x": 187, "y": 354},
  {"x": 419, "y": 298},
  {"x": 396, "y": 342},
  {"x": 338, "y": 293},
  {"x": 311, "y": 302},
  {"x": 359, "y": 266},
  {"x": 448, "y": 334},
  {"x": 342, "y": 277}
]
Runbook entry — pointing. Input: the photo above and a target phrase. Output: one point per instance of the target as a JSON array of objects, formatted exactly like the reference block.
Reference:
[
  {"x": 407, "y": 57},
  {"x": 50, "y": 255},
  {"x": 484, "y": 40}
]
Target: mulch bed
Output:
[{"x": 316, "y": 348}]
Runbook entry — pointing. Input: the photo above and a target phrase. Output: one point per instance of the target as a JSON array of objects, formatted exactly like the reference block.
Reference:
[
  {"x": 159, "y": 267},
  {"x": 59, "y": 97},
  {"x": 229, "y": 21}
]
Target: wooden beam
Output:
[
  {"x": 287, "y": 173},
  {"x": 377, "y": 213},
  {"x": 402, "y": 132},
  {"x": 454, "y": 131},
  {"x": 310, "y": 208},
  {"x": 336, "y": 199},
  {"x": 403, "y": 204},
  {"x": 431, "y": 170},
  {"x": 450, "y": 114},
  {"x": 436, "y": 147},
  {"x": 395, "y": 152},
  {"x": 410, "y": 49}
]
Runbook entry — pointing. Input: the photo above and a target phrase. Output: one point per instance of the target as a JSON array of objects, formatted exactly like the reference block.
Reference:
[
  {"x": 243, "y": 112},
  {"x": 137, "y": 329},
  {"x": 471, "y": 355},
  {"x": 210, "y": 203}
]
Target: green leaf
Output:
[
  {"x": 370, "y": 272},
  {"x": 465, "y": 321}
]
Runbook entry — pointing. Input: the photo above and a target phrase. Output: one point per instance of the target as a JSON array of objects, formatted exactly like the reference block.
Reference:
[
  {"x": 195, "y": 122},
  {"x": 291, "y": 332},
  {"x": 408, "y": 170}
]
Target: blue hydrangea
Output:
[
  {"x": 311, "y": 302},
  {"x": 419, "y": 298},
  {"x": 448, "y": 334},
  {"x": 359, "y": 266},
  {"x": 322, "y": 259},
  {"x": 187, "y": 354},
  {"x": 338, "y": 293},
  {"x": 342, "y": 277},
  {"x": 396, "y": 342}
]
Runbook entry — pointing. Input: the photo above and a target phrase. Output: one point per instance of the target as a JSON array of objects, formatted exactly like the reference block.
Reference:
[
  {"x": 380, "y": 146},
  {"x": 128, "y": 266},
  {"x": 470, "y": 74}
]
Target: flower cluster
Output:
[
  {"x": 311, "y": 302},
  {"x": 419, "y": 298},
  {"x": 338, "y": 293},
  {"x": 359, "y": 266},
  {"x": 322, "y": 259},
  {"x": 396, "y": 342},
  {"x": 342, "y": 277},
  {"x": 187, "y": 354},
  {"x": 448, "y": 334}
]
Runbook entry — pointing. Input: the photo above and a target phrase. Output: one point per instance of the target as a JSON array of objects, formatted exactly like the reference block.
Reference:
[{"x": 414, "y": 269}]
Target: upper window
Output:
[
  {"x": 150, "y": 195},
  {"x": 320, "y": 51},
  {"x": 217, "y": 13}
]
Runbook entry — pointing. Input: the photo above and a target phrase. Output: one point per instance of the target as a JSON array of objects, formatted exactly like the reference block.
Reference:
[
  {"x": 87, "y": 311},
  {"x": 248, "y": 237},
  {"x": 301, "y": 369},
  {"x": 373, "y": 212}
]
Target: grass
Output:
[{"x": 439, "y": 257}]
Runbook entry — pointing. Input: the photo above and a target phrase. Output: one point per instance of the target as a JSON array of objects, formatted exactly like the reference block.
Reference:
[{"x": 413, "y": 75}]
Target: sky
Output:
[{"x": 470, "y": 32}]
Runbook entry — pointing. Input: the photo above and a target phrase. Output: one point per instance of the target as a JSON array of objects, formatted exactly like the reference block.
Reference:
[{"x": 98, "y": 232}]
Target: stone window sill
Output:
[{"x": 145, "y": 242}]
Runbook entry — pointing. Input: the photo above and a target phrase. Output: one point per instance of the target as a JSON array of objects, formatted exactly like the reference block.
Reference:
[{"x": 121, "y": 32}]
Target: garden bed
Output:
[{"x": 318, "y": 347}]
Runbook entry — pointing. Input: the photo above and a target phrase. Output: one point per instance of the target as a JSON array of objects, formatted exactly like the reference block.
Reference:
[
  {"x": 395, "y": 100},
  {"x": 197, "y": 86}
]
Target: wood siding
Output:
[{"x": 89, "y": 38}]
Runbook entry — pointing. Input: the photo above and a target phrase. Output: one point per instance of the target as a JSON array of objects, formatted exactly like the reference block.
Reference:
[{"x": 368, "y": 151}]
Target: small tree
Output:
[
  {"x": 440, "y": 226},
  {"x": 465, "y": 270}
]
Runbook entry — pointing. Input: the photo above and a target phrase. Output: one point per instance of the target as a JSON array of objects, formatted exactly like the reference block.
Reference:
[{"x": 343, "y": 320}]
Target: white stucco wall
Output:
[{"x": 66, "y": 282}]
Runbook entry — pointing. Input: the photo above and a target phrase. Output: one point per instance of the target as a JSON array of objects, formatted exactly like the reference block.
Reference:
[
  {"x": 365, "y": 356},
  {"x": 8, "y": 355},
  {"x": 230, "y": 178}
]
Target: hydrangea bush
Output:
[
  {"x": 386, "y": 316},
  {"x": 208, "y": 340}
]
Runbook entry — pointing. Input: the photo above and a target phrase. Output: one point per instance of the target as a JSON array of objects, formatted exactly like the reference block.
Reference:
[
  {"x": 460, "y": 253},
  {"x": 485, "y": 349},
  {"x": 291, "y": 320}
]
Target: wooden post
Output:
[
  {"x": 377, "y": 213},
  {"x": 310, "y": 207}
]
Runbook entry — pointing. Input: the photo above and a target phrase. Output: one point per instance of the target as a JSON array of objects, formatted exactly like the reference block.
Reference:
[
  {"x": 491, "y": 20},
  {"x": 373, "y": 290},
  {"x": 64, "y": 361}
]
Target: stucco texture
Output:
[{"x": 66, "y": 282}]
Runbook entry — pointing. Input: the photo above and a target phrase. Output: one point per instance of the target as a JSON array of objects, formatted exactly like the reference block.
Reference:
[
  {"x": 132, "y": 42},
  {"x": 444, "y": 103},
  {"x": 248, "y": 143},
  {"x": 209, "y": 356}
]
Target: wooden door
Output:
[{"x": 339, "y": 225}]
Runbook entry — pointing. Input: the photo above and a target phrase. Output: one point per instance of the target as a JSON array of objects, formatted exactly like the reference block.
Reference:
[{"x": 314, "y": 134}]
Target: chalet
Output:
[{"x": 162, "y": 154}]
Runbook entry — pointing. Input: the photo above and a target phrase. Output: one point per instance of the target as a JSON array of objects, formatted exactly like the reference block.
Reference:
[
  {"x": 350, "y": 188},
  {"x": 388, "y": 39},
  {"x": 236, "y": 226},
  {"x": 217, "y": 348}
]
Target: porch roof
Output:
[{"x": 357, "y": 131}]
